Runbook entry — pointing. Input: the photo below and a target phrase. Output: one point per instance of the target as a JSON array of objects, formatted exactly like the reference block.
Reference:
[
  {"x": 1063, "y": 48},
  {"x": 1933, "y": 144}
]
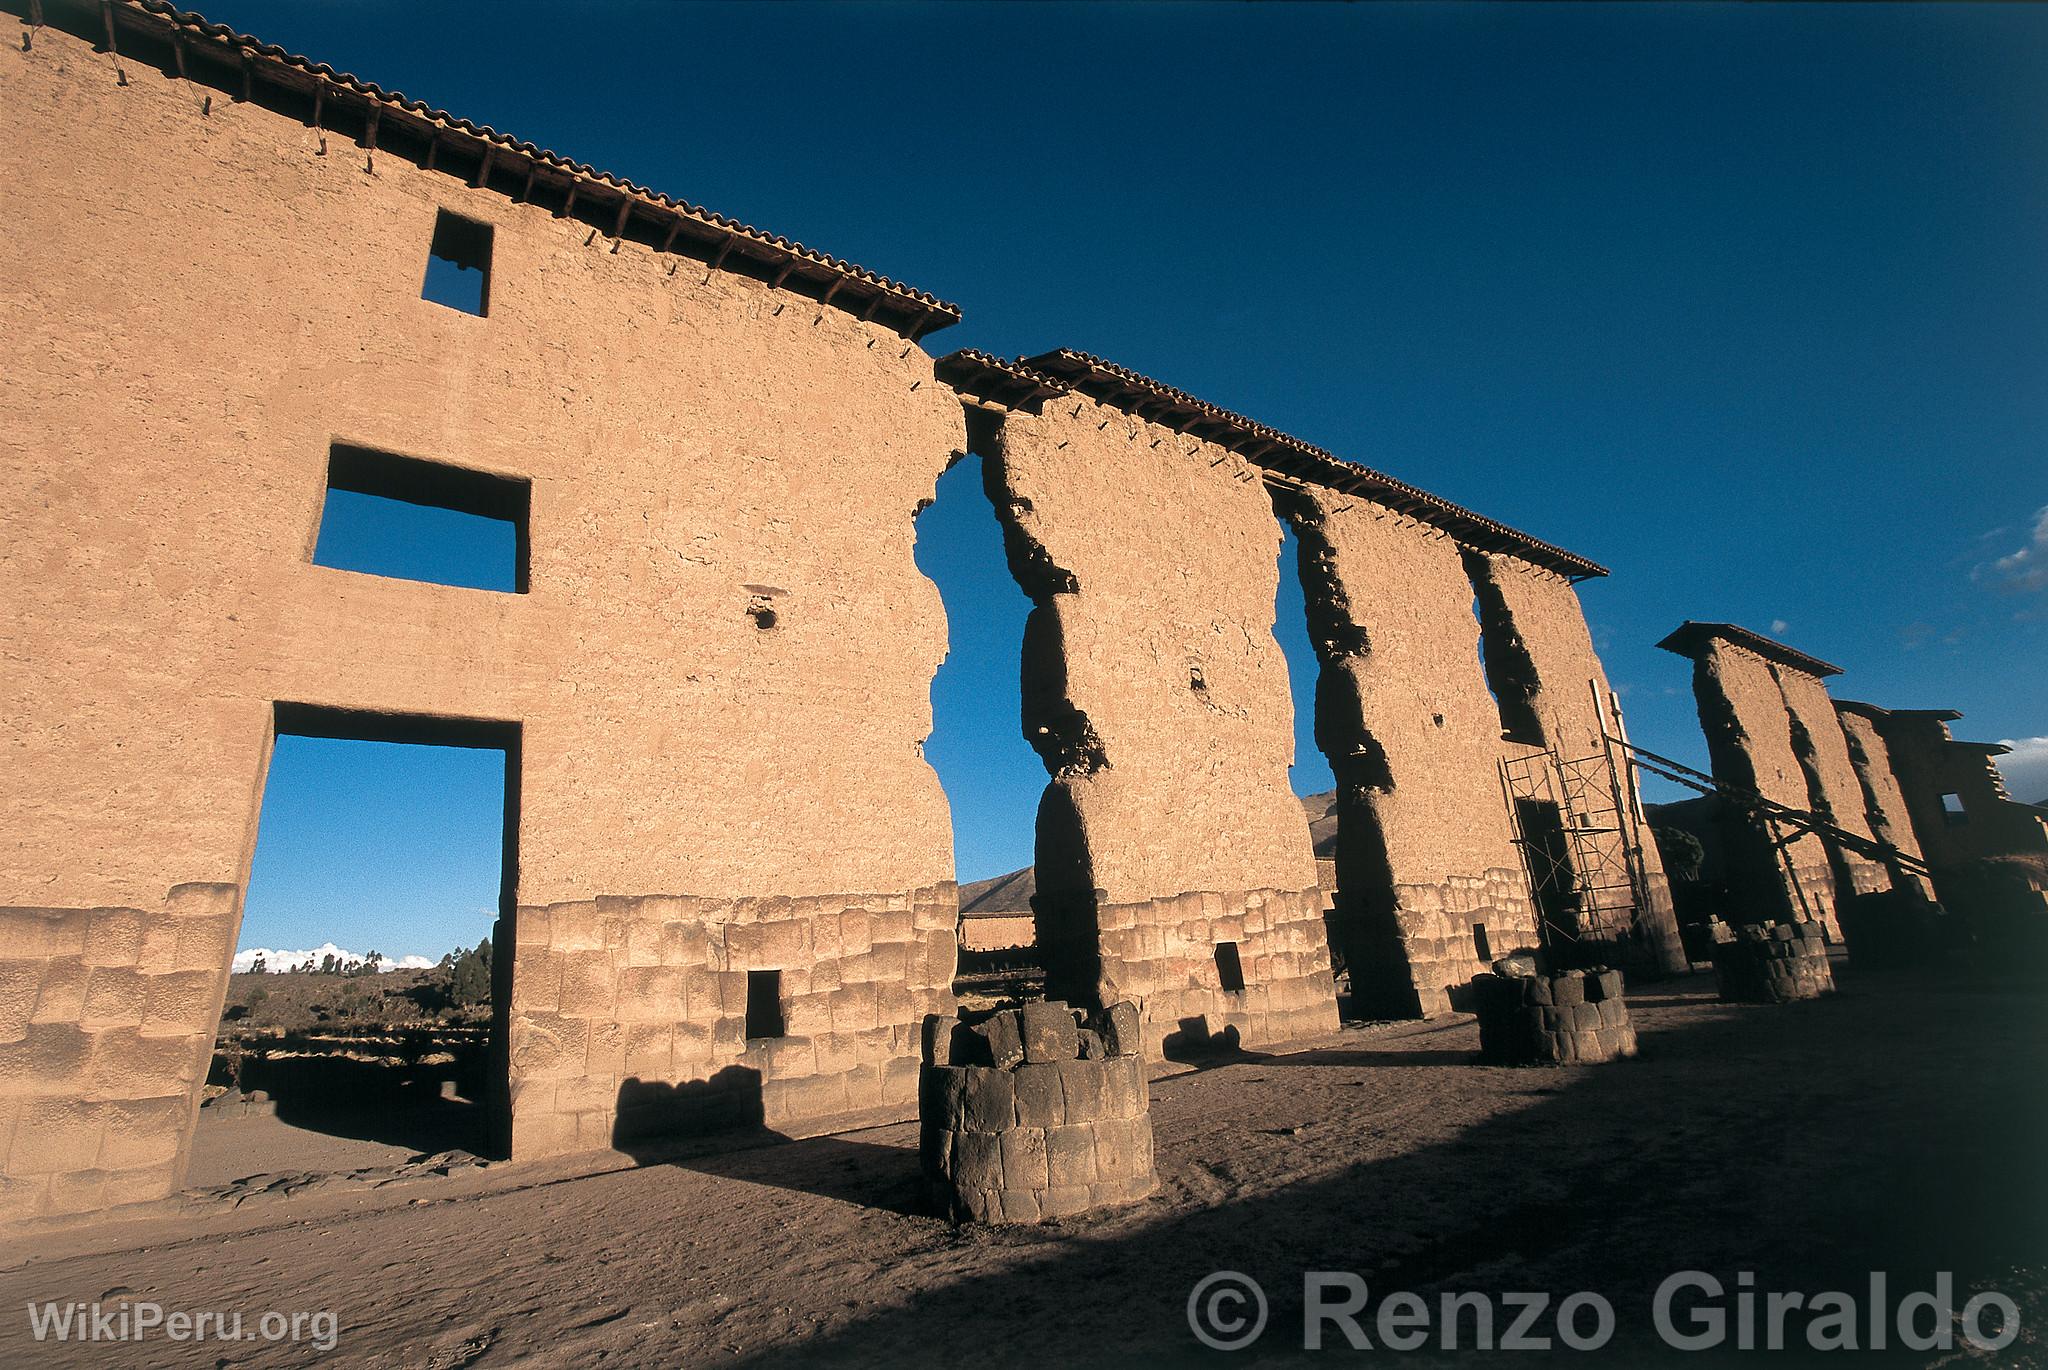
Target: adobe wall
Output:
[
  {"x": 1929, "y": 763},
  {"x": 1884, "y": 804},
  {"x": 1835, "y": 792},
  {"x": 1536, "y": 615},
  {"x": 196, "y": 305},
  {"x": 1425, "y": 850},
  {"x": 1156, "y": 694},
  {"x": 1745, "y": 717}
]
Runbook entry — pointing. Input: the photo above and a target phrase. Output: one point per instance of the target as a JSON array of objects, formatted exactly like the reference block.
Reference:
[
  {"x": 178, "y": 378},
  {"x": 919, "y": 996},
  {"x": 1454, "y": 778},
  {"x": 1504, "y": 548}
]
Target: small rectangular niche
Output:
[
  {"x": 459, "y": 265},
  {"x": 1952, "y": 809},
  {"x": 764, "y": 1004},
  {"x": 1482, "y": 945},
  {"x": 1229, "y": 967},
  {"x": 387, "y": 515}
]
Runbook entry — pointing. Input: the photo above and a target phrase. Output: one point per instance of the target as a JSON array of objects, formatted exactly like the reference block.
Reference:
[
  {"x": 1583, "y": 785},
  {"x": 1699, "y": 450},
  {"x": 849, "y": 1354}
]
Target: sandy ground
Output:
[{"x": 1896, "y": 1126}]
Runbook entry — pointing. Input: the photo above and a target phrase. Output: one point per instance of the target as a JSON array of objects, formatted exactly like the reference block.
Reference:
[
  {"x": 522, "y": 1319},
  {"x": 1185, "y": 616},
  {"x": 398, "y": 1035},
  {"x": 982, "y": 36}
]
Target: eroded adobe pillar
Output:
[
  {"x": 1772, "y": 730},
  {"x": 1549, "y": 680},
  {"x": 1430, "y": 887},
  {"x": 1173, "y": 865}
]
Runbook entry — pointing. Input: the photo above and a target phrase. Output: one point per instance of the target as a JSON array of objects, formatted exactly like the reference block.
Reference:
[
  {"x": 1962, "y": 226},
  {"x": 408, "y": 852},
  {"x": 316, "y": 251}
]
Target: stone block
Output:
[
  {"x": 1024, "y": 1158},
  {"x": 589, "y": 985},
  {"x": 1022, "y": 1206},
  {"x": 206, "y": 944},
  {"x": 48, "y": 1058},
  {"x": 1064, "y": 1201},
  {"x": 935, "y": 1150},
  {"x": 1070, "y": 1156},
  {"x": 181, "y": 1003},
  {"x": 1049, "y": 1033},
  {"x": 1004, "y": 1034},
  {"x": 548, "y": 1048},
  {"x": 990, "y": 1100},
  {"x": 899, "y": 1080},
  {"x": 113, "y": 937},
  {"x": 20, "y": 983},
  {"x": 53, "y": 1136},
  {"x": 977, "y": 1161},
  {"x": 204, "y": 900},
  {"x": 650, "y": 1051},
  {"x": 1121, "y": 1030},
  {"x": 1115, "y": 1156},
  {"x": 1568, "y": 990},
  {"x": 115, "y": 996},
  {"x": 143, "y": 1132},
  {"x": 1041, "y": 1099},
  {"x": 138, "y": 1184}
]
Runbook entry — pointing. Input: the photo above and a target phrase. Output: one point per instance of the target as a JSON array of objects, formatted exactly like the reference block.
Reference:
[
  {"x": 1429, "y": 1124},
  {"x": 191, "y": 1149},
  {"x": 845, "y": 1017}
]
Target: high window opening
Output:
[
  {"x": 1229, "y": 967},
  {"x": 409, "y": 519},
  {"x": 459, "y": 265},
  {"x": 764, "y": 1005},
  {"x": 992, "y": 777},
  {"x": 1953, "y": 811},
  {"x": 366, "y": 1005}
]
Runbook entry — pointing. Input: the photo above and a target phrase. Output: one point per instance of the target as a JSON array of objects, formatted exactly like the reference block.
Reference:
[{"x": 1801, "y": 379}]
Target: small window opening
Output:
[
  {"x": 1482, "y": 946},
  {"x": 409, "y": 519},
  {"x": 459, "y": 265},
  {"x": 1197, "y": 682},
  {"x": 764, "y": 1004},
  {"x": 1952, "y": 809},
  {"x": 1229, "y": 967}
]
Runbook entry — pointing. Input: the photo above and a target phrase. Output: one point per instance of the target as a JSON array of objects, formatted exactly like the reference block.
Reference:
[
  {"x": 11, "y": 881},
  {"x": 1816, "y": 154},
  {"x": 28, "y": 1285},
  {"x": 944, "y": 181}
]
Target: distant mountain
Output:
[{"x": 1012, "y": 893}]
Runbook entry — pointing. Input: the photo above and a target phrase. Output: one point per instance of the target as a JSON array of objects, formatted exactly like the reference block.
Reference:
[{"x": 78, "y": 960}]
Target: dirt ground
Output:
[{"x": 1896, "y": 1126}]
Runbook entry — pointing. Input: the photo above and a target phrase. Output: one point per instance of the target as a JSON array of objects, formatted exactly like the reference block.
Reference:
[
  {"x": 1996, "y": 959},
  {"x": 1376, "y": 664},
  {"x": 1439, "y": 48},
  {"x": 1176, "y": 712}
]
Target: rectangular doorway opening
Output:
[
  {"x": 368, "y": 997},
  {"x": 1553, "y": 878}
]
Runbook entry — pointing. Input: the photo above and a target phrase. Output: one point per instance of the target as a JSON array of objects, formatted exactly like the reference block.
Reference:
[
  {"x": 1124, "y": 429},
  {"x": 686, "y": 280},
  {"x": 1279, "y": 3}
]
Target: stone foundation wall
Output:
[
  {"x": 1438, "y": 940},
  {"x": 1774, "y": 963},
  {"x": 1055, "y": 1121},
  {"x": 107, "y": 1020},
  {"x": 1577, "y": 1017},
  {"x": 1164, "y": 952},
  {"x": 629, "y": 1015}
]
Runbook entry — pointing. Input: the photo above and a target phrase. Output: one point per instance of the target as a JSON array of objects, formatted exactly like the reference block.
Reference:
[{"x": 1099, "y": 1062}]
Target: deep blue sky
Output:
[{"x": 1747, "y": 302}]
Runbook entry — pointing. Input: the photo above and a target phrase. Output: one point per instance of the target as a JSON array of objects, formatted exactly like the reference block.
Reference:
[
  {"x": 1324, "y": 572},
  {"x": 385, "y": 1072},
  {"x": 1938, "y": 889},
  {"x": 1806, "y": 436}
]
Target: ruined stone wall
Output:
[
  {"x": 1928, "y": 763},
  {"x": 1538, "y": 614},
  {"x": 197, "y": 305},
  {"x": 1884, "y": 804},
  {"x": 1157, "y": 696},
  {"x": 1425, "y": 850},
  {"x": 1749, "y": 738}
]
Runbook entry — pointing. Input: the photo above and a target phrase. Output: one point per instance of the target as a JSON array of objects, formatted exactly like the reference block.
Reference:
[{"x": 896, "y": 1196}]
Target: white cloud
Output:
[
  {"x": 2025, "y": 769},
  {"x": 2024, "y": 571},
  {"x": 1778, "y": 627},
  {"x": 274, "y": 960}
]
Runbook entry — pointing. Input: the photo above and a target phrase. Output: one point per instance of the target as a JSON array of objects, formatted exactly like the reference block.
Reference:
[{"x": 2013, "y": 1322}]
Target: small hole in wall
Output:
[
  {"x": 764, "y": 1004},
  {"x": 1482, "y": 946},
  {"x": 1197, "y": 681},
  {"x": 1437, "y": 719},
  {"x": 1229, "y": 967},
  {"x": 762, "y": 612}
]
